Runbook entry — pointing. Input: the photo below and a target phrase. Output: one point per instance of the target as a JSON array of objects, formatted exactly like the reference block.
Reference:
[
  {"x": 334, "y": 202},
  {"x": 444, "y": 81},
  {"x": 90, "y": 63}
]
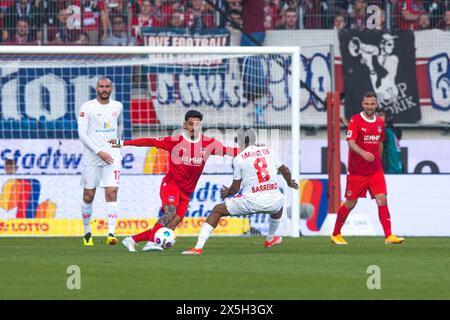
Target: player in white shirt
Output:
[
  {"x": 255, "y": 170},
  {"x": 99, "y": 121}
]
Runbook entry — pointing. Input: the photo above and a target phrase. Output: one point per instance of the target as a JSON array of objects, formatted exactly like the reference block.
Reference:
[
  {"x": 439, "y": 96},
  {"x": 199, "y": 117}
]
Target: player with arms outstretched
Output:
[
  {"x": 100, "y": 120},
  {"x": 188, "y": 153},
  {"x": 255, "y": 169},
  {"x": 365, "y": 136}
]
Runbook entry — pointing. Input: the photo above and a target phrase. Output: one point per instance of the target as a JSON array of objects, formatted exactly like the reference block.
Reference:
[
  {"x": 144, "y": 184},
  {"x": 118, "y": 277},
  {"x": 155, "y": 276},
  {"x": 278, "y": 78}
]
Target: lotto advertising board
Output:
[{"x": 50, "y": 205}]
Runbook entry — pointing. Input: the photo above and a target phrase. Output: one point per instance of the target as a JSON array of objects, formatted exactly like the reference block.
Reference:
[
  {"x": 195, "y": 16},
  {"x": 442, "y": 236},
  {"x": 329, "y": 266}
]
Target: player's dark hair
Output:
[
  {"x": 370, "y": 94},
  {"x": 193, "y": 114}
]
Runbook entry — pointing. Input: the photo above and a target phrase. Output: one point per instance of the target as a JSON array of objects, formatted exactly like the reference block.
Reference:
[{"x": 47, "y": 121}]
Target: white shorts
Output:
[
  {"x": 240, "y": 205},
  {"x": 101, "y": 176}
]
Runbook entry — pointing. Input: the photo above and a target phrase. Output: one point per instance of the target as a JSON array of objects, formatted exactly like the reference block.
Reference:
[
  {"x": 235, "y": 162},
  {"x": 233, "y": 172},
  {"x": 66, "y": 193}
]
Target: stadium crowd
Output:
[{"x": 119, "y": 22}]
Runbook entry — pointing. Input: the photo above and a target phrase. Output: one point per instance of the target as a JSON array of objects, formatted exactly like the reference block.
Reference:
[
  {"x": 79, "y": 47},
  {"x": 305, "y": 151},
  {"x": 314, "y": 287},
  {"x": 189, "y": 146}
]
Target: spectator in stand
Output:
[
  {"x": 23, "y": 9},
  {"x": 339, "y": 23},
  {"x": 423, "y": 22},
  {"x": 407, "y": 12},
  {"x": 108, "y": 10},
  {"x": 270, "y": 15},
  {"x": 236, "y": 17},
  {"x": 145, "y": 18},
  {"x": 4, "y": 5},
  {"x": 119, "y": 36},
  {"x": 178, "y": 19},
  {"x": 22, "y": 35},
  {"x": 290, "y": 19},
  {"x": 333, "y": 8},
  {"x": 357, "y": 20},
  {"x": 446, "y": 26},
  {"x": 253, "y": 22},
  {"x": 83, "y": 39},
  {"x": 435, "y": 10},
  {"x": 199, "y": 16},
  {"x": 310, "y": 14},
  {"x": 62, "y": 33}
]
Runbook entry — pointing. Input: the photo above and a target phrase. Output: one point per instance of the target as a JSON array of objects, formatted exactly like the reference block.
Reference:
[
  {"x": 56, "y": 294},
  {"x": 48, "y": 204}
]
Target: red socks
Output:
[
  {"x": 385, "y": 219},
  {"x": 340, "y": 220},
  {"x": 147, "y": 235}
]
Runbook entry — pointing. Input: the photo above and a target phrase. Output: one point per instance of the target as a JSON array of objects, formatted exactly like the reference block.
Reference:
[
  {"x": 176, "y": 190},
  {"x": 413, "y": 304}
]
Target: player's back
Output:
[{"x": 258, "y": 169}]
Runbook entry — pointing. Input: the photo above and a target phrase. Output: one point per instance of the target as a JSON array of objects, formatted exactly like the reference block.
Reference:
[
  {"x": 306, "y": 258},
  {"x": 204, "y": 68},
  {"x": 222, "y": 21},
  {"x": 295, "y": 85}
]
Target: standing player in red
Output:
[
  {"x": 188, "y": 155},
  {"x": 365, "y": 137}
]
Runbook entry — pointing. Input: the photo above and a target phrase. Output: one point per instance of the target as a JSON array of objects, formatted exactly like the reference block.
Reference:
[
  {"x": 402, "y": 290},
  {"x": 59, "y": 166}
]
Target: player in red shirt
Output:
[
  {"x": 188, "y": 155},
  {"x": 365, "y": 136}
]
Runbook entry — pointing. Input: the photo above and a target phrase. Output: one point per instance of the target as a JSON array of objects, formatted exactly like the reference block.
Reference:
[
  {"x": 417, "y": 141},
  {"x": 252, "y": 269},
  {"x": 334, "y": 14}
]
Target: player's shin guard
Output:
[
  {"x": 385, "y": 219},
  {"x": 86, "y": 212},
  {"x": 205, "y": 233},
  {"x": 112, "y": 216},
  {"x": 340, "y": 219},
  {"x": 273, "y": 226}
]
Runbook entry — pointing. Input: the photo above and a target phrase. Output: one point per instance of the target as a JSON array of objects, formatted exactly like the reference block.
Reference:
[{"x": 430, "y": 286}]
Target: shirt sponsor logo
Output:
[
  {"x": 371, "y": 138},
  {"x": 171, "y": 198}
]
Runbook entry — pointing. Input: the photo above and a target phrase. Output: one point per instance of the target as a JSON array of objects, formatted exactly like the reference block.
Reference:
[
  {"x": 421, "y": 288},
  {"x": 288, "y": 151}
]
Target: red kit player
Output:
[
  {"x": 365, "y": 136},
  {"x": 188, "y": 153}
]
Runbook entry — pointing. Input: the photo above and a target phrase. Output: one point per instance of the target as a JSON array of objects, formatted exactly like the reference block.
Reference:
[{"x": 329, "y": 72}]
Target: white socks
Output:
[
  {"x": 86, "y": 213},
  {"x": 112, "y": 211},
  {"x": 273, "y": 226},
  {"x": 204, "y": 234}
]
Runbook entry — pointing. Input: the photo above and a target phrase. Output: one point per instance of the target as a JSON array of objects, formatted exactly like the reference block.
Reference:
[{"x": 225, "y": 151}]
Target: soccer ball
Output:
[{"x": 165, "y": 238}]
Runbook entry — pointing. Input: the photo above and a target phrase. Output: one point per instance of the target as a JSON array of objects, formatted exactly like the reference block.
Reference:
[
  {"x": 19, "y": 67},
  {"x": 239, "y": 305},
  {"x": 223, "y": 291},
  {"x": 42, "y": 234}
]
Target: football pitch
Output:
[{"x": 230, "y": 269}]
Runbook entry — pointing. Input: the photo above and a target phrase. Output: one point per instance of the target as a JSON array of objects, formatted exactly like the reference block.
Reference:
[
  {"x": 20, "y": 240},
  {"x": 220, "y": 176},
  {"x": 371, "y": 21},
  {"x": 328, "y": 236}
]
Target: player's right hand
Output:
[
  {"x": 368, "y": 156},
  {"x": 115, "y": 143},
  {"x": 105, "y": 157}
]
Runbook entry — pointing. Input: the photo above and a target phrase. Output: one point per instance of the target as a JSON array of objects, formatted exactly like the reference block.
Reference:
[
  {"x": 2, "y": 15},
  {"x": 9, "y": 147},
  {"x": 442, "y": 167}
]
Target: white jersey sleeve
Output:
[{"x": 83, "y": 129}]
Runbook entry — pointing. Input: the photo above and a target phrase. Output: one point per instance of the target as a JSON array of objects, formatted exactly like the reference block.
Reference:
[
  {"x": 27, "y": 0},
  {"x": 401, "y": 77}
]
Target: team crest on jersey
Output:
[
  {"x": 349, "y": 193},
  {"x": 379, "y": 129},
  {"x": 81, "y": 114},
  {"x": 114, "y": 114}
]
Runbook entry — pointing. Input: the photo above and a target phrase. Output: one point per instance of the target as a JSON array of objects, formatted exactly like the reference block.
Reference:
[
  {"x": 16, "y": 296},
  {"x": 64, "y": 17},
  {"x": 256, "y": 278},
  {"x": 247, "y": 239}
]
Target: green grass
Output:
[{"x": 231, "y": 268}]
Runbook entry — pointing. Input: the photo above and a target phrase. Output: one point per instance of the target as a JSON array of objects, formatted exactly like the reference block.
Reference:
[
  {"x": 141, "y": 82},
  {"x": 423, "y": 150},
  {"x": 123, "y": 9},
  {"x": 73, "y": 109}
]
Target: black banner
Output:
[{"x": 384, "y": 63}]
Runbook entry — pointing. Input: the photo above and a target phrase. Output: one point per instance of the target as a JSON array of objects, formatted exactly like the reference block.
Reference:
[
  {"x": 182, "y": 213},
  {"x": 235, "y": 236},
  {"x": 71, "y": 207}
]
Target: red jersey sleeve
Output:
[
  {"x": 352, "y": 130},
  {"x": 164, "y": 143},
  {"x": 218, "y": 149}
]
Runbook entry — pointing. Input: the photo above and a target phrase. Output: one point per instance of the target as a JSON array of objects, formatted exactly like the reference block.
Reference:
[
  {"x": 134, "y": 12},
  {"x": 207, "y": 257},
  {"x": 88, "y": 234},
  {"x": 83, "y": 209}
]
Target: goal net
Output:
[{"x": 43, "y": 88}]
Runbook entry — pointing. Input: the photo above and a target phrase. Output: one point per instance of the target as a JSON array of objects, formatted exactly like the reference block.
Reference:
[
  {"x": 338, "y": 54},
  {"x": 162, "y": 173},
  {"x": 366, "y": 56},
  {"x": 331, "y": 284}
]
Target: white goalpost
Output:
[{"x": 43, "y": 87}]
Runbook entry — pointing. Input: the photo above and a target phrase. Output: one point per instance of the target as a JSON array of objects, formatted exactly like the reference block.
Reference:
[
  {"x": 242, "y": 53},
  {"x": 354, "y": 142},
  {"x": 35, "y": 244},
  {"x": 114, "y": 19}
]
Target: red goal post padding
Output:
[{"x": 334, "y": 151}]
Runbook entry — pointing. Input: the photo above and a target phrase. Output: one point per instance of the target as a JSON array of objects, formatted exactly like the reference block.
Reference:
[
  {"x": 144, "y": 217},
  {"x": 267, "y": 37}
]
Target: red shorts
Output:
[
  {"x": 171, "y": 194},
  {"x": 357, "y": 186}
]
